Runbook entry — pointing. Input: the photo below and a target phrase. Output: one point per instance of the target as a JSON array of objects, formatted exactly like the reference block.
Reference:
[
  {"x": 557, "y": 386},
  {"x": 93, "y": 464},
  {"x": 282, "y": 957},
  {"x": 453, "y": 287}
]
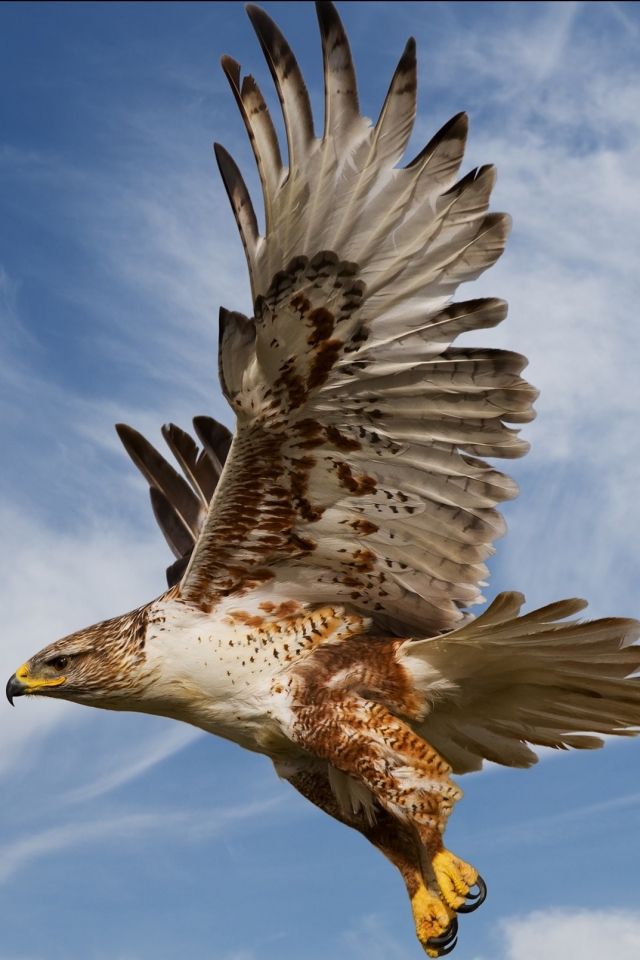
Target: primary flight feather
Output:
[{"x": 327, "y": 554}]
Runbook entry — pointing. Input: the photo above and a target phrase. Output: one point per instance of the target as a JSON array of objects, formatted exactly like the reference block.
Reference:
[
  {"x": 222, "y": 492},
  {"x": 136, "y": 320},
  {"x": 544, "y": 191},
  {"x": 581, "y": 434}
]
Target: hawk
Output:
[{"x": 328, "y": 552}]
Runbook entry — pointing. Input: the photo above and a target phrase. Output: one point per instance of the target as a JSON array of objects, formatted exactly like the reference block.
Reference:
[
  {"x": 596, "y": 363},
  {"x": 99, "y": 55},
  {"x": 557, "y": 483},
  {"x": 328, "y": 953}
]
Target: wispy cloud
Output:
[
  {"x": 15, "y": 855},
  {"x": 190, "y": 826},
  {"x": 136, "y": 760},
  {"x": 567, "y": 825}
]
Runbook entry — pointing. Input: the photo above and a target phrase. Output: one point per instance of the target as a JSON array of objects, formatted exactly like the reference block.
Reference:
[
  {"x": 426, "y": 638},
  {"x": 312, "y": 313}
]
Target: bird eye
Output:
[{"x": 59, "y": 663}]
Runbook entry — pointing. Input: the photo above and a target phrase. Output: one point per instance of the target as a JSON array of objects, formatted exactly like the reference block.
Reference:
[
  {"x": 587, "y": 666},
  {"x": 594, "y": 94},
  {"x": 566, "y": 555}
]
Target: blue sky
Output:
[{"x": 129, "y": 838}]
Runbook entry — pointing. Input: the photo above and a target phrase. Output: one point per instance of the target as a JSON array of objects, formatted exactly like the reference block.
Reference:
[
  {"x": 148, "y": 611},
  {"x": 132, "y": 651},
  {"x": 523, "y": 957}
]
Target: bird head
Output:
[{"x": 95, "y": 666}]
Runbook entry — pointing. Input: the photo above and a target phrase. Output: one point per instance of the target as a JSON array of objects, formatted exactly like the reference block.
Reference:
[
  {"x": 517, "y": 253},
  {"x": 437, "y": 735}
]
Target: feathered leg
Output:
[
  {"x": 363, "y": 738},
  {"x": 435, "y": 923}
]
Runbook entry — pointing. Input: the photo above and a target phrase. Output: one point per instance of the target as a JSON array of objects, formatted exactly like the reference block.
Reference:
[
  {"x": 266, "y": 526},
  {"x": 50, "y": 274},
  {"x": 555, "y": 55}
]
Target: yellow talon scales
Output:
[
  {"x": 455, "y": 878},
  {"x": 432, "y": 918}
]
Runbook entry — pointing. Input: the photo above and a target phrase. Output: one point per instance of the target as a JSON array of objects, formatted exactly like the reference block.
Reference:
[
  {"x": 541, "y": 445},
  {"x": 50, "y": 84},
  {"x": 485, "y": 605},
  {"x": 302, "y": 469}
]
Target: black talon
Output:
[
  {"x": 444, "y": 952},
  {"x": 478, "y": 897},
  {"x": 445, "y": 938}
]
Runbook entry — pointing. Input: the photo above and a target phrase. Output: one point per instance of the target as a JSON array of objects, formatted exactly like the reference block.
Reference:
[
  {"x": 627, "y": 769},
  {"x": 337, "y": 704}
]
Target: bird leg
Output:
[
  {"x": 344, "y": 704},
  {"x": 436, "y": 924}
]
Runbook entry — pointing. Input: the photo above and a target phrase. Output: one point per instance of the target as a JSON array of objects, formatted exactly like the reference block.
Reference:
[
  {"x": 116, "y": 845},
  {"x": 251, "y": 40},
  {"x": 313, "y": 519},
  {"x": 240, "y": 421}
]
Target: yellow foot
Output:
[
  {"x": 434, "y": 922},
  {"x": 455, "y": 879}
]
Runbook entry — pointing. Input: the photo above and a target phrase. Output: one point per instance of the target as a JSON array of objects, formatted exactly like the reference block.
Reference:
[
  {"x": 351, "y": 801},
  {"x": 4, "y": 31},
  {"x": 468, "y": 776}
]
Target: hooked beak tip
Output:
[{"x": 15, "y": 688}]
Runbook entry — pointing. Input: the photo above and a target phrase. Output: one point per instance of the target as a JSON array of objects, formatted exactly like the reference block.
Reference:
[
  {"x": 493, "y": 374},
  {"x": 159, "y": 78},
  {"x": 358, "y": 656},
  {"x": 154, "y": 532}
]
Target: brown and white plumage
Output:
[
  {"x": 345, "y": 382},
  {"x": 327, "y": 555}
]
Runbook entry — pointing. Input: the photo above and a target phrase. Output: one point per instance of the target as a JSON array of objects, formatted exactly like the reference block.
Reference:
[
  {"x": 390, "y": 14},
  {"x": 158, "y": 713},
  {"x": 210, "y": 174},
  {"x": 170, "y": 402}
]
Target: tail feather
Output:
[{"x": 502, "y": 682}]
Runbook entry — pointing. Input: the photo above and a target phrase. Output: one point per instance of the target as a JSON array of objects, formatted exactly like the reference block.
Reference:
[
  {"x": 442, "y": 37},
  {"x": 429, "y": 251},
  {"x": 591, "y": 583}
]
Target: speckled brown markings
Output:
[
  {"x": 291, "y": 383},
  {"x": 362, "y": 561},
  {"x": 241, "y": 617},
  {"x": 299, "y": 471},
  {"x": 363, "y": 527},
  {"x": 292, "y": 294},
  {"x": 339, "y": 440},
  {"x": 268, "y": 645},
  {"x": 325, "y": 359},
  {"x": 360, "y": 486},
  {"x": 264, "y": 492},
  {"x": 348, "y": 701},
  {"x": 254, "y": 510},
  {"x": 280, "y": 610}
]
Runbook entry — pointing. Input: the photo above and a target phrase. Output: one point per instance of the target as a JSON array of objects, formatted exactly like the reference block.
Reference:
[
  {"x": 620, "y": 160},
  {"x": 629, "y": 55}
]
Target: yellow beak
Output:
[{"x": 22, "y": 683}]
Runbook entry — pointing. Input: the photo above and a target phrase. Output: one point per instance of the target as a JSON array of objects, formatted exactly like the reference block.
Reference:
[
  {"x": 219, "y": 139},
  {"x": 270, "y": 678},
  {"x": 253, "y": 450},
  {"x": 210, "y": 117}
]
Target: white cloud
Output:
[
  {"x": 572, "y": 935},
  {"x": 159, "y": 225}
]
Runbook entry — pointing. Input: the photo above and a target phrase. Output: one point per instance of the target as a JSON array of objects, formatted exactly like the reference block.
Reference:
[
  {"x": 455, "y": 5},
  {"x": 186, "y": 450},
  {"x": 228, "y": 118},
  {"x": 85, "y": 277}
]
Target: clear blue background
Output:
[{"x": 131, "y": 838}]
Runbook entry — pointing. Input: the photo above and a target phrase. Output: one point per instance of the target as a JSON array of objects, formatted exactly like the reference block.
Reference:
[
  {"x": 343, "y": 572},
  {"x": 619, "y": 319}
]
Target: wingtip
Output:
[
  {"x": 327, "y": 15},
  {"x": 223, "y": 316},
  {"x": 261, "y": 22},
  {"x": 226, "y": 167},
  {"x": 457, "y": 128},
  {"x": 231, "y": 69},
  {"x": 128, "y": 435},
  {"x": 409, "y": 57},
  {"x": 459, "y": 122},
  {"x": 252, "y": 10}
]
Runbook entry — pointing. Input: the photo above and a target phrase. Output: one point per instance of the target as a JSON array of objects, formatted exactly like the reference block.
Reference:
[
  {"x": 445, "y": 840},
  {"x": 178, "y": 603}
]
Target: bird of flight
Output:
[{"x": 328, "y": 552}]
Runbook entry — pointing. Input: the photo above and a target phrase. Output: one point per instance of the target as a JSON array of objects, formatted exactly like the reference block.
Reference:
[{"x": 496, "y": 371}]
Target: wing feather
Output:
[
  {"x": 162, "y": 476},
  {"x": 215, "y": 438},
  {"x": 261, "y": 130},
  {"x": 360, "y": 429},
  {"x": 181, "y": 541},
  {"x": 197, "y": 467},
  {"x": 180, "y": 509},
  {"x": 398, "y": 114},
  {"x": 240, "y": 202},
  {"x": 289, "y": 83},
  {"x": 340, "y": 85}
]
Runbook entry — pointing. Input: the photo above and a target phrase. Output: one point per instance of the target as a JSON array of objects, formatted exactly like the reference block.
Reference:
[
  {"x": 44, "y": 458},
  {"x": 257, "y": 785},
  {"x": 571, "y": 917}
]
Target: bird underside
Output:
[{"x": 370, "y": 728}]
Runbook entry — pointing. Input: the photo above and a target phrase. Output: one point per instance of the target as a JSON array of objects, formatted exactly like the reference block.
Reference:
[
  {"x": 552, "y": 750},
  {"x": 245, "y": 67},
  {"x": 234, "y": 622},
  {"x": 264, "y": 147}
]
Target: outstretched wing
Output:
[{"x": 354, "y": 474}]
